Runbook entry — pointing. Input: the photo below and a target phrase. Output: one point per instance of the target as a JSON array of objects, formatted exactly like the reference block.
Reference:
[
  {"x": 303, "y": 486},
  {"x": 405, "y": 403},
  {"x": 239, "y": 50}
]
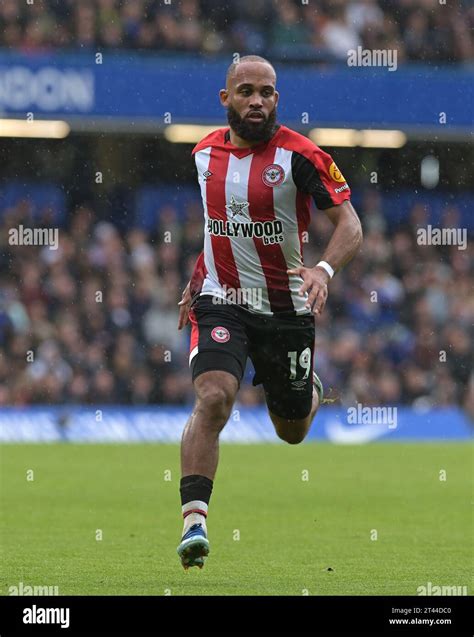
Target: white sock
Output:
[{"x": 198, "y": 515}]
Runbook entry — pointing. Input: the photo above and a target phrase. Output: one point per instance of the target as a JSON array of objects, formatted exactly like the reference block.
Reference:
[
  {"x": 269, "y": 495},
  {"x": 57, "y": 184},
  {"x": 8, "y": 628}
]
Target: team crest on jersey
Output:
[
  {"x": 273, "y": 175},
  {"x": 220, "y": 334}
]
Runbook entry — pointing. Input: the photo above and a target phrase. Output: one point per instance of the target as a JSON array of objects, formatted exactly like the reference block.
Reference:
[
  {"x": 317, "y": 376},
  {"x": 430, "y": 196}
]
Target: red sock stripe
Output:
[{"x": 200, "y": 511}]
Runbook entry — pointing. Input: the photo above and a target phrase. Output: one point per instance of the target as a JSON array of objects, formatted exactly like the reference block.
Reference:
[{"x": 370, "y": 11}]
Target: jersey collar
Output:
[{"x": 243, "y": 152}]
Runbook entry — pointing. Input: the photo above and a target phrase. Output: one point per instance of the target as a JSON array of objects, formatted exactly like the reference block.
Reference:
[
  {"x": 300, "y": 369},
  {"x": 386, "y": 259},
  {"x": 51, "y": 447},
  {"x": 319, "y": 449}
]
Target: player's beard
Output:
[{"x": 252, "y": 131}]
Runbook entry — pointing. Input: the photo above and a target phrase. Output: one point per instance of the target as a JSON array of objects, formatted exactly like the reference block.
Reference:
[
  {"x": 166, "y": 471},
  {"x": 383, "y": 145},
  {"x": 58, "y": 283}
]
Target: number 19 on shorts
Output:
[{"x": 304, "y": 361}]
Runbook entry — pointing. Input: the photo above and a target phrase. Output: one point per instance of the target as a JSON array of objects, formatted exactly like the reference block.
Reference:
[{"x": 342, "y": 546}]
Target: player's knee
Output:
[
  {"x": 292, "y": 436},
  {"x": 292, "y": 431},
  {"x": 216, "y": 403}
]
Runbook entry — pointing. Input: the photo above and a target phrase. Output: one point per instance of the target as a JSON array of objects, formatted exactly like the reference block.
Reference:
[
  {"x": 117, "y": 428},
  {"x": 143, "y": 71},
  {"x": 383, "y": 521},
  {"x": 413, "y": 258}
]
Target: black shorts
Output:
[{"x": 280, "y": 347}]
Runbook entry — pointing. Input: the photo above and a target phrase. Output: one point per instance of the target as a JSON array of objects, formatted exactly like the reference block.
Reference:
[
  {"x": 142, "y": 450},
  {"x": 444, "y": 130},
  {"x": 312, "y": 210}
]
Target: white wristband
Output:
[{"x": 325, "y": 266}]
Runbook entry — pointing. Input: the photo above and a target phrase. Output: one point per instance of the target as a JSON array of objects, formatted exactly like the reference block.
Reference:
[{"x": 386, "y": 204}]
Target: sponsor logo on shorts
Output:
[
  {"x": 220, "y": 334},
  {"x": 298, "y": 385},
  {"x": 273, "y": 175}
]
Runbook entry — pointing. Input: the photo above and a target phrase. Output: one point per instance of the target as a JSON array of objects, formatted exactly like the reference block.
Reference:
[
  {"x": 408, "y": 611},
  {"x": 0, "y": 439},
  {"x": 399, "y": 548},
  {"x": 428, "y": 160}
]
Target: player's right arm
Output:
[
  {"x": 193, "y": 287},
  {"x": 184, "y": 306}
]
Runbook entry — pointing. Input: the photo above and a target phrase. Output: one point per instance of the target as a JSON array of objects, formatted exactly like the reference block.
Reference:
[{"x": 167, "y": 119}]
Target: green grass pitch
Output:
[{"x": 272, "y": 531}]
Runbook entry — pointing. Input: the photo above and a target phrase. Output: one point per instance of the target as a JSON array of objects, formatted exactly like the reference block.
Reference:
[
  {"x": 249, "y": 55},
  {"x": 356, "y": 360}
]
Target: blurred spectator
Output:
[
  {"x": 288, "y": 26},
  {"x": 97, "y": 323},
  {"x": 339, "y": 35},
  {"x": 319, "y": 31}
]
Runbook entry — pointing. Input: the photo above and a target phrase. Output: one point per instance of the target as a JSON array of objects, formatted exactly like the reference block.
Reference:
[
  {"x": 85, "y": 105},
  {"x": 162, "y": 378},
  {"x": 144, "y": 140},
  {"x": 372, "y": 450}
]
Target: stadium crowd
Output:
[
  {"x": 95, "y": 321},
  {"x": 312, "y": 30}
]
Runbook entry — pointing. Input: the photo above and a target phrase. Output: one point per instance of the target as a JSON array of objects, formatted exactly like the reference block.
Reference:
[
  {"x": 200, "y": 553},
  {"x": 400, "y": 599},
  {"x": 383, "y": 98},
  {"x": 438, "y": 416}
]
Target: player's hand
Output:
[
  {"x": 184, "y": 306},
  {"x": 315, "y": 282}
]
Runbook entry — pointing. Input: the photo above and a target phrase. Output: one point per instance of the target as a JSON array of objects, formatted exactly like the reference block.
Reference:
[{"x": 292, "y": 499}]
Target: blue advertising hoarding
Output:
[
  {"x": 165, "y": 424},
  {"x": 147, "y": 88}
]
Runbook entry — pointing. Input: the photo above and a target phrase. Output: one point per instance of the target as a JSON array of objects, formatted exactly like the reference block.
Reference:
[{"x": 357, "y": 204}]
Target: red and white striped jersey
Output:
[{"x": 256, "y": 208}]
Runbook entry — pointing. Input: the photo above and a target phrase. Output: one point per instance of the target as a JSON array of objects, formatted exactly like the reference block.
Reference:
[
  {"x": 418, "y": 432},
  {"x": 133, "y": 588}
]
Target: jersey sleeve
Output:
[{"x": 316, "y": 173}]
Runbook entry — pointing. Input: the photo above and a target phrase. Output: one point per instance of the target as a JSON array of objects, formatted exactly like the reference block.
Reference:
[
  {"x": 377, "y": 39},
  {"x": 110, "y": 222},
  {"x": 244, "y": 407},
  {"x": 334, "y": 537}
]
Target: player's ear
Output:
[
  {"x": 224, "y": 96},
  {"x": 277, "y": 97}
]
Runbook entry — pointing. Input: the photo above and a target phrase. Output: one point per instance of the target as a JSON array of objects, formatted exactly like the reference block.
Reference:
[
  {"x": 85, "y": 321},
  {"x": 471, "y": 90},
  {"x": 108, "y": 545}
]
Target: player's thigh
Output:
[
  {"x": 218, "y": 344},
  {"x": 283, "y": 361}
]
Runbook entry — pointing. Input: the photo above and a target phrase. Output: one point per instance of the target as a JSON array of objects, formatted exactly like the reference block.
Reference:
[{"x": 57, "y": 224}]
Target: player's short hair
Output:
[{"x": 246, "y": 58}]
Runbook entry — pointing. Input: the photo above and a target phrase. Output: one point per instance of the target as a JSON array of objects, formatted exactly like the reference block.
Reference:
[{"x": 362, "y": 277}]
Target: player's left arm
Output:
[{"x": 342, "y": 247}]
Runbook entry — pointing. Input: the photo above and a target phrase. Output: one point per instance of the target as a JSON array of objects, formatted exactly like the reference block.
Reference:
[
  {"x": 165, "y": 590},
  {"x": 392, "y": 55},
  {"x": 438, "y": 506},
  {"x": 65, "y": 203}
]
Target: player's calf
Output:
[{"x": 215, "y": 395}]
